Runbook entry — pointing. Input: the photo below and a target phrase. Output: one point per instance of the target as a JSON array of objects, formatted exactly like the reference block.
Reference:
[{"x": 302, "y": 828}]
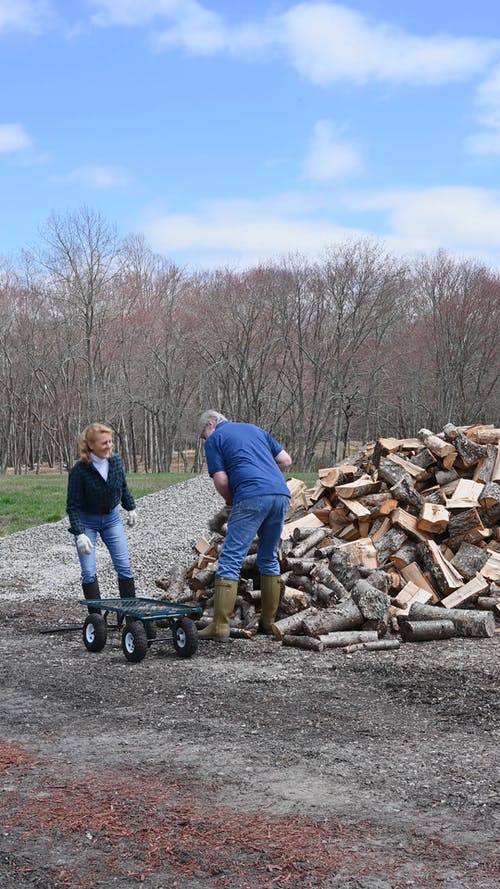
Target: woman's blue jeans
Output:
[
  {"x": 110, "y": 528},
  {"x": 263, "y": 516}
]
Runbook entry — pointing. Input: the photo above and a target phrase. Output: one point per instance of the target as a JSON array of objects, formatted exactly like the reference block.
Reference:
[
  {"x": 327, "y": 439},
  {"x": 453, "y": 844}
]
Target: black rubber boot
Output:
[
  {"x": 92, "y": 591},
  {"x": 126, "y": 586}
]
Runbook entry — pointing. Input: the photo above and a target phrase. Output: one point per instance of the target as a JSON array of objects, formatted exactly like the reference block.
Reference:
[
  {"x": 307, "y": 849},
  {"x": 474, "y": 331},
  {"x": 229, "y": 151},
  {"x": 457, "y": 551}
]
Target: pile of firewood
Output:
[{"x": 400, "y": 543}]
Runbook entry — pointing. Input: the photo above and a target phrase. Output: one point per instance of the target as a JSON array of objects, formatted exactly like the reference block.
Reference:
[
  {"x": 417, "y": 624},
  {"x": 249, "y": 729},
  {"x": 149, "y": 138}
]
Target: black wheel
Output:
[
  {"x": 134, "y": 641},
  {"x": 150, "y": 628},
  {"x": 185, "y": 637},
  {"x": 95, "y": 632}
]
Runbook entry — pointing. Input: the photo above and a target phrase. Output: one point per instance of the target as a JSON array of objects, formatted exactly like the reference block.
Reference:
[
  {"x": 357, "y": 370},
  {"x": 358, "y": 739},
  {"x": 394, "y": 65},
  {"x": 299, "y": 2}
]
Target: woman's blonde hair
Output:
[{"x": 88, "y": 438}]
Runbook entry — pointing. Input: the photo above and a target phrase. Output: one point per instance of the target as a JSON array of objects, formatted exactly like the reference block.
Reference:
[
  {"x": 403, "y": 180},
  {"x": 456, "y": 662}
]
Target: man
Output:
[{"x": 246, "y": 465}]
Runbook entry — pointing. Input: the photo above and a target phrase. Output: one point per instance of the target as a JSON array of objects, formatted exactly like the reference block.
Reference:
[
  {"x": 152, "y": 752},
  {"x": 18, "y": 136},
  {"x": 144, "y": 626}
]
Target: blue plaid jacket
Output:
[{"x": 88, "y": 492}]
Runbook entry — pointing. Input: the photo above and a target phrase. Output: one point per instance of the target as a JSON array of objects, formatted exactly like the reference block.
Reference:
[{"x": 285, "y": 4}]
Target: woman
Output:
[{"x": 96, "y": 487}]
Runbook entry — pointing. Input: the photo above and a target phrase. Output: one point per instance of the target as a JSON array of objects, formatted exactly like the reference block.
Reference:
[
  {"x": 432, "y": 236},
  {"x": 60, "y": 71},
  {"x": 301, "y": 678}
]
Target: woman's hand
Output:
[{"x": 83, "y": 544}]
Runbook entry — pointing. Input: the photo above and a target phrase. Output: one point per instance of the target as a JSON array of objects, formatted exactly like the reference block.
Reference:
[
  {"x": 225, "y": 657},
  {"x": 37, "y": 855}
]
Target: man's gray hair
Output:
[{"x": 209, "y": 417}]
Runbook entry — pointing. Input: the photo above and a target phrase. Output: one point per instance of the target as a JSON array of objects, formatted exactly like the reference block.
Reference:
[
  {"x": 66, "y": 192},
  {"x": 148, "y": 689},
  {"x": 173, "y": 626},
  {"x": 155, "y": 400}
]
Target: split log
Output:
[
  {"x": 345, "y": 616},
  {"x": 423, "y": 458},
  {"x": 468, "y": 623},
  {"x": 408, "y": 523},
  {"x": 466, "y": 593},
  {"x": 465, "y": 495},
  {"x": 445, "y": 576},
  {"x": 361, "y": 552},
  {"x": 413, "y": 573},
  {"x": 405, "y": 554},
  {"x": 483, "y": 471},
  {"x": 433, "y": 518},
  {"x": 469, "y": 560},
  {"x": 203, "y": 579},
  {"x": 426, "y": 630},
  {"x": 306, "y": 642},
  {"x": 357, "y": 488},
  {"x": 490, "y": 495},
  {"x": 390, "y": 472},
  {"x": 339, "y": 639},
  {"x": 464, "y": 527},
  {"x": 468, "y": 450},
  {"x": 389, "y": 544},
  {"x": 404, "y": 492}
]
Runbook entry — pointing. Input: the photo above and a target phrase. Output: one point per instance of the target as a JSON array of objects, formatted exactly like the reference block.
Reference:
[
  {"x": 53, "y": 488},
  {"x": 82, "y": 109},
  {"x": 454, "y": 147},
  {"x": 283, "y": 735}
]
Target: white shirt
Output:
[{"x": 101, "y": 464}]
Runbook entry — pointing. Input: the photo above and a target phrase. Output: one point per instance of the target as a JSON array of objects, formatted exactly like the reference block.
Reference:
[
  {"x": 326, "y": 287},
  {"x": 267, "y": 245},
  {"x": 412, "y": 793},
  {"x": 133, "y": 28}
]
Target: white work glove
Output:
[
  {"x": 83, "y": 544},
  {"x": 132, "y": 518}
]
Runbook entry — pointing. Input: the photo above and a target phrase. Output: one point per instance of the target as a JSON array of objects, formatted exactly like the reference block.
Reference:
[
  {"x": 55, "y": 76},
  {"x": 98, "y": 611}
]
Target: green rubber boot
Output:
[
  {"x": 270, "y": 592},
  {"x": 224, "y": 602}
]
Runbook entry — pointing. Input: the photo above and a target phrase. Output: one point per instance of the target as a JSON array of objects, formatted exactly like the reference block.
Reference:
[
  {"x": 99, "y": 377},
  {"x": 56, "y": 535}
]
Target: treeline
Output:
[{"x": 355, "y": 345}]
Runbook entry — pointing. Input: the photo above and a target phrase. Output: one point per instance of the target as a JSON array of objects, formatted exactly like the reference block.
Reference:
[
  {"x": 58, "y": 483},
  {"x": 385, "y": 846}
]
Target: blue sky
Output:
[{"x": 229, "y": 132}]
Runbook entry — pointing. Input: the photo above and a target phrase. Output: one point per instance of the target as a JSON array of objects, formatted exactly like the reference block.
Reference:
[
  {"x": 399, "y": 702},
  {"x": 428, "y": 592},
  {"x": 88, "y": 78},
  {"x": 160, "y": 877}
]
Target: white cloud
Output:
[
  {"x": 454, "y": 217},
  {"x": 487, "y": 141},
  {"x": 24, "y": 15},
  {"x": 328, "y": 157},
  {"x": 325, "y": 42},
  {"x": 249, "y": 230},
  {"x": 13, "y": 137},
  {"x": 95, "y": 176}
]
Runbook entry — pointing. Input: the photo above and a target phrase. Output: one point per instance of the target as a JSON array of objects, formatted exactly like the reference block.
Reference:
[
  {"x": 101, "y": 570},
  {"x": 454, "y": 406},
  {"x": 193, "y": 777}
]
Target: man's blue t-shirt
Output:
[{"x": 246, "y": 453}]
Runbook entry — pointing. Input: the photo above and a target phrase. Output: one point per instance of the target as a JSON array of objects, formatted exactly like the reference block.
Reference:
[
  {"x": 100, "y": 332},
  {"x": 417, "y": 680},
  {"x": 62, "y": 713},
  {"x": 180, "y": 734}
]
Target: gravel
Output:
[{"x": 42, "y": 561}]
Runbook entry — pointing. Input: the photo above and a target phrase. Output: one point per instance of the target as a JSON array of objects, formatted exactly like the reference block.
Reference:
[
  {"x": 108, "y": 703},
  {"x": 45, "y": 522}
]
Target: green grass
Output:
[{"x": 28, "y": 500}]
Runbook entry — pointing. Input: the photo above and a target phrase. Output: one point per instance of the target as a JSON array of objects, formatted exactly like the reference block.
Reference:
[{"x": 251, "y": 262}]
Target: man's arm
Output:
[
  {"x": 221, "y": 482},
  {"x": 283, "y": 460}
]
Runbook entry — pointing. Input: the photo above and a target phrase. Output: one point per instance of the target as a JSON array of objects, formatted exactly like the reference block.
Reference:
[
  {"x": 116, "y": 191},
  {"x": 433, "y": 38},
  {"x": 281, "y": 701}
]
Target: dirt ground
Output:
[{"x": 247, "y": 765}]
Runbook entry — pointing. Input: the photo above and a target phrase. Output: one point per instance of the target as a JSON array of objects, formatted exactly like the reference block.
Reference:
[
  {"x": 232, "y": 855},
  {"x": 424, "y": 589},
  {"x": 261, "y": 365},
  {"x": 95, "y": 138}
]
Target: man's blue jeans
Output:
[
  {"x": 263, "y": 515},
  {"x": 110, "y": 527}
]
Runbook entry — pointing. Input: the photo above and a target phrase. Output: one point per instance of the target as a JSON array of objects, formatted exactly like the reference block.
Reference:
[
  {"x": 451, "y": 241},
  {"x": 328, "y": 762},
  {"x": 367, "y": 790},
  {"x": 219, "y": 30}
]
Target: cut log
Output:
[
  {"x": 423, "y": 458},
  {"x": 381, "y": 527},
  {"x": 311, "y": 541},
  {"x": 341, "y": 565},
  {"x": 305, "y": 642},
  {"x": 292, "y": 624},
  {"x": 348, "y": 637},
  {"x": 483, "y": 471},
  {"x": 335, "y": 475},
  {"x": 468, "y": 623},
  {"x": 426, "y": 630},
  {"x": 378, "y": 645},
  {"x": 409, "y": 468},
  {"x": 466, "y": 593},
  {"x": 436, "y": 445},
  {"x": 326, "y": 577},
  {"x": 345, "y": 616},
  {"x": 488, "y": 435},
  {"x": 390, "y": 472}
]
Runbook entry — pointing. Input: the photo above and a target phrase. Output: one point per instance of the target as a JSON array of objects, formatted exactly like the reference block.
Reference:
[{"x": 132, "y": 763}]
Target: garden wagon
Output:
[{"x": 138, "y": 617}]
